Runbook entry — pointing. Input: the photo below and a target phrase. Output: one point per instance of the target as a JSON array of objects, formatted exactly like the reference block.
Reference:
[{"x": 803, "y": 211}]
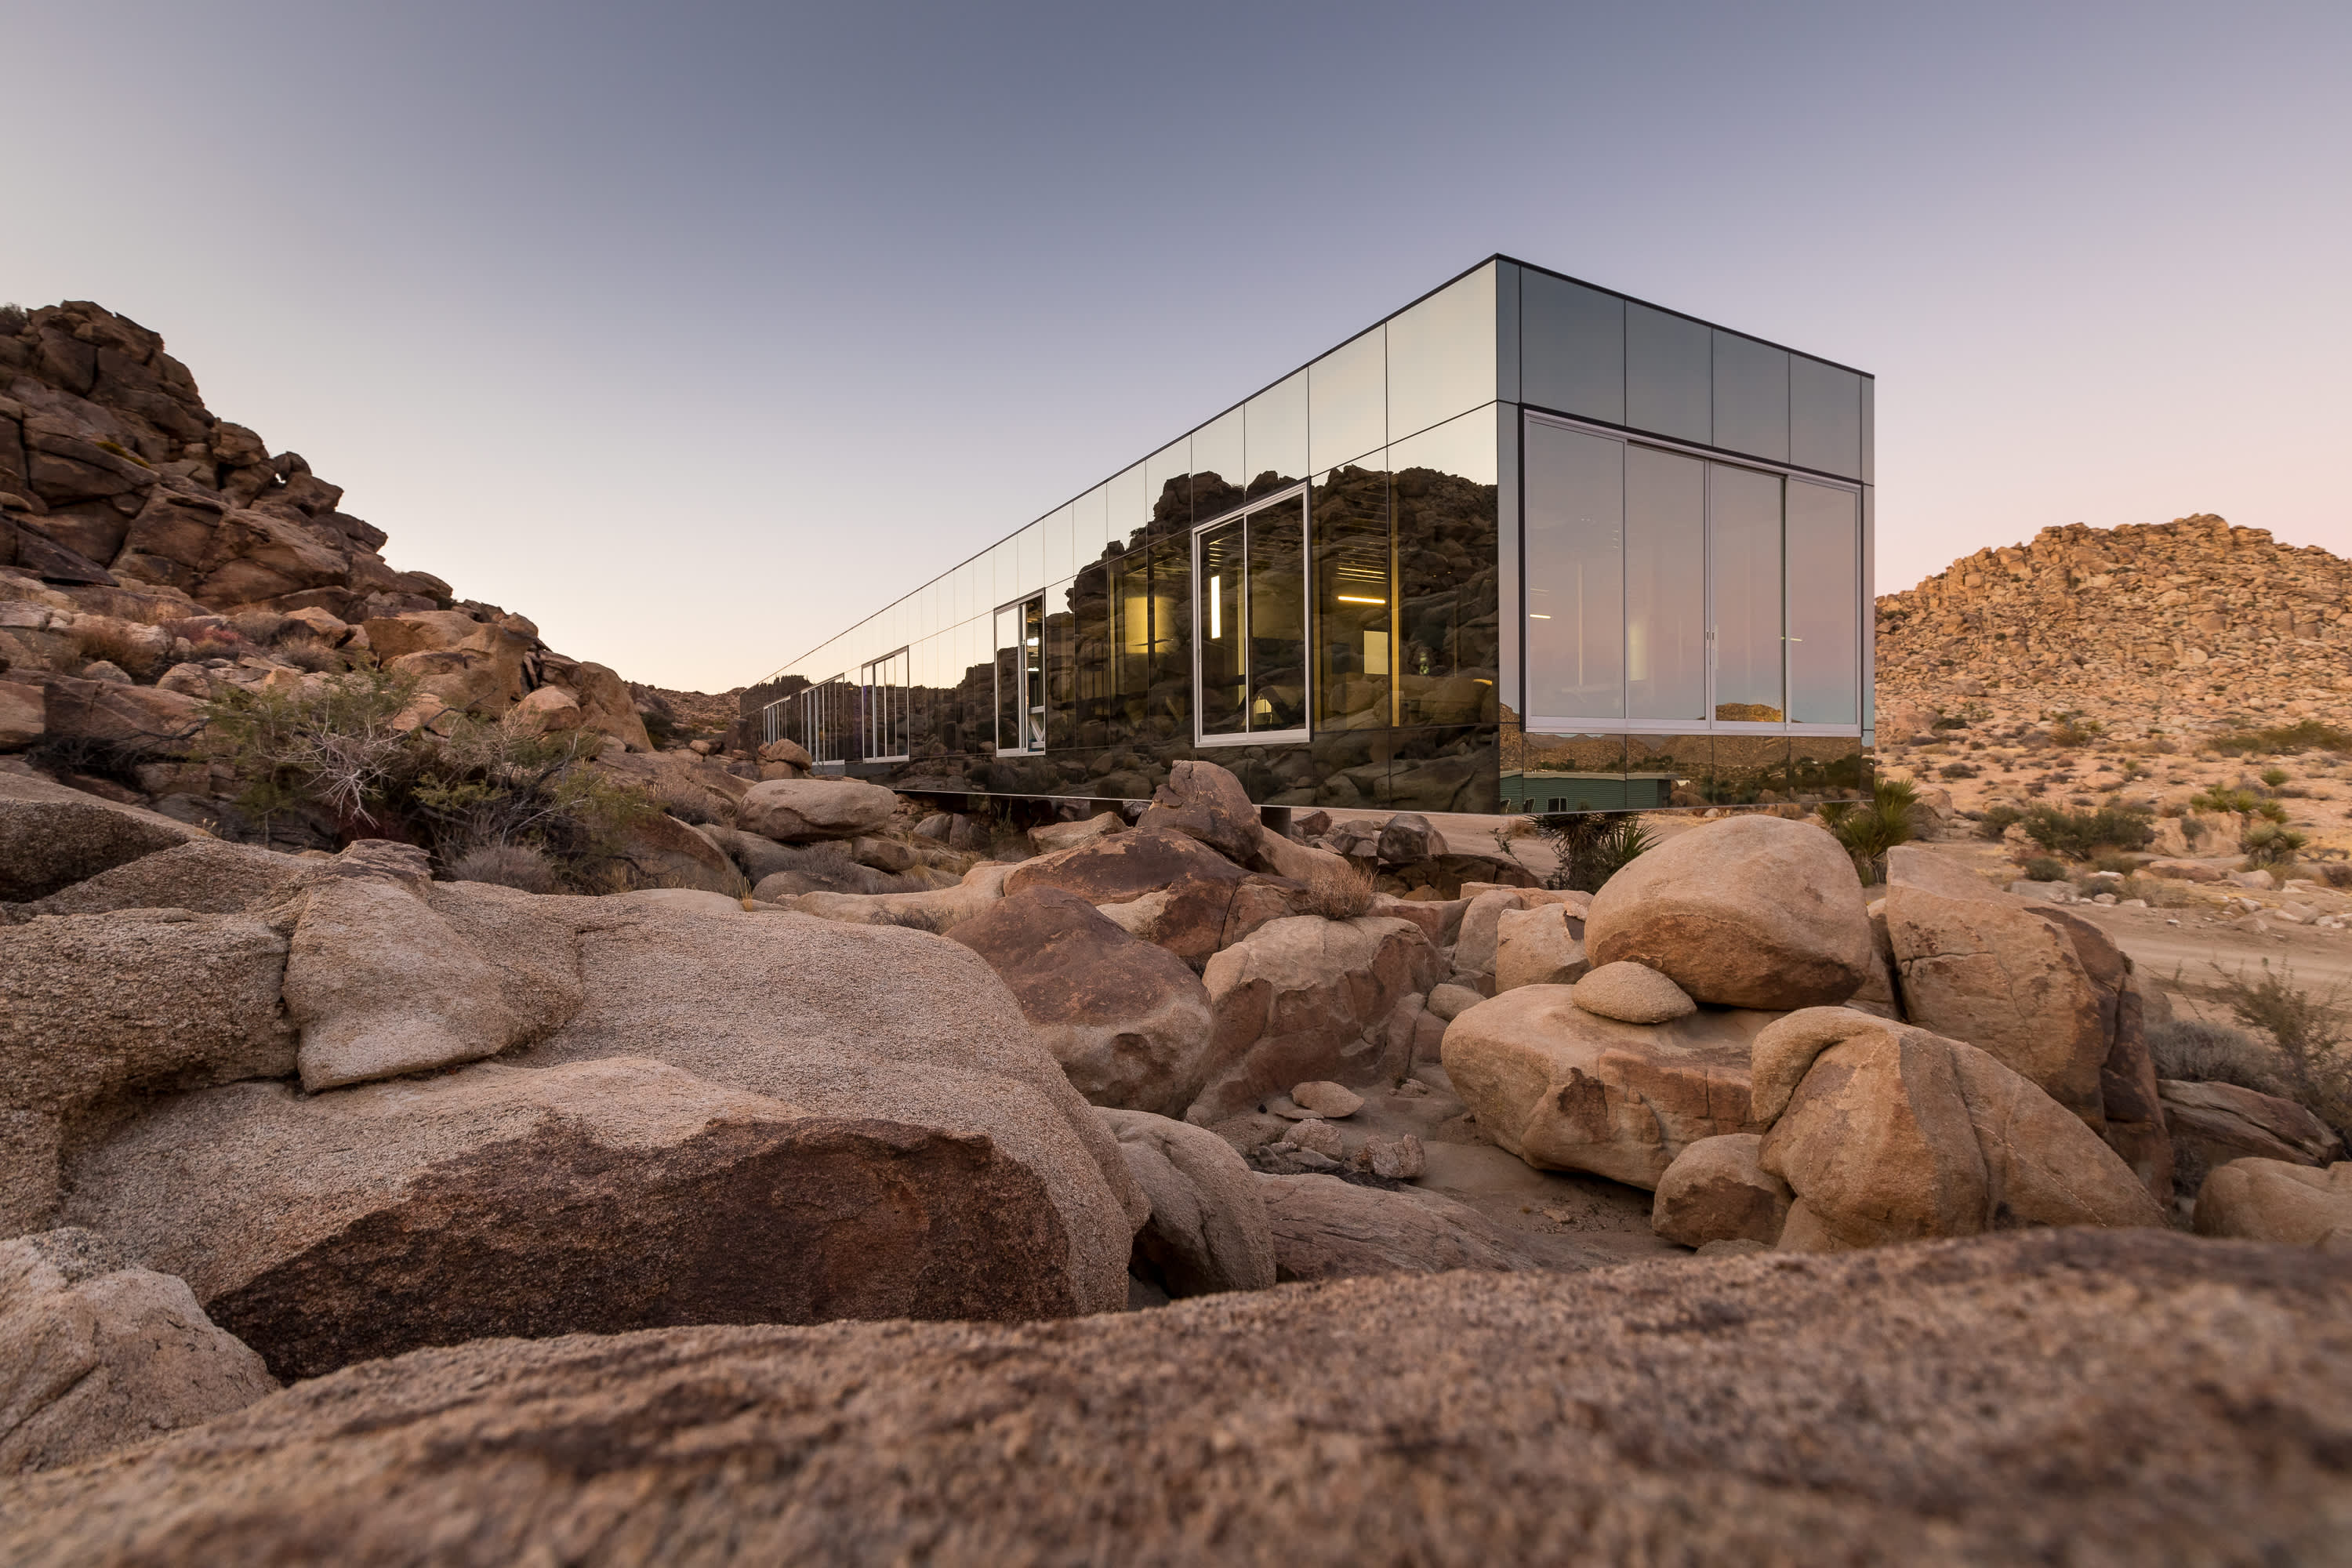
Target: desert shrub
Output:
[
  {"x": 1592, "y": 847},
  {"x": 484, "y": 783},
  {"x": 2114, "y": 860},
  {"x": 2042, "y": 868},
  {"x": 689, "y": 804},
  {"x": 334, "y": 745},
  {"x": 507, "y": 865},
  {"x": 2335, "y": 873},
  {"x": 12, "y": 319},
  {"x": 2193, "y": 1050},
  {"x": 1341, "y": 891},
  {"x": 2081, "y": 834},
  {"x": 2314, "y": 1067},
  {"x": 2270, "y": 846},
  {"x": 2245, "y": 801},
  {"x": 1959, "y": 771},
  {"x": 98, "y": 639},
  {"x": 2274, "y": 777},
  {"x": 1869, "y": 829},
  {"x": 2073, "y": 730},
  {"x": 1998, "y": 820},
  {"x": 2280, "y": 740},
  {"x": 311, "y": 654}
]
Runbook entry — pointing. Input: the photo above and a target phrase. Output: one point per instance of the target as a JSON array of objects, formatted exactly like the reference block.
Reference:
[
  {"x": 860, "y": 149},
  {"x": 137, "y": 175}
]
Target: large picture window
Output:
[
  {"x": 883, "y": 686},
  {"x": 1021, "y": 676},
  {"x": 1249, "y": 619},
  {"x": 1666, "y": 591}
]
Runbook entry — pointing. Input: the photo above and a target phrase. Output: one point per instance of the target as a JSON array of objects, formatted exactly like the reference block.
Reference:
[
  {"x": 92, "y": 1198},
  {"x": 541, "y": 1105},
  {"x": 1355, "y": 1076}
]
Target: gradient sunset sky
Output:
[{"x": 698, "y": 332}]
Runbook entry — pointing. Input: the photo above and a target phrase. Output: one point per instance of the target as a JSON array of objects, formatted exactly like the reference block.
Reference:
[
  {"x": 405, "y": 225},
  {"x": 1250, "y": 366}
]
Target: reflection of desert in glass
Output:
[
  {"x": 1569, "y": 772},
  {"x": 1667, "y": 770}
]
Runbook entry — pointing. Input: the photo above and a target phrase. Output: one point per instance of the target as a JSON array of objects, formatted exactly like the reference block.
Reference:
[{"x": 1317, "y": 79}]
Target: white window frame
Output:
[{"x": 1267, "y": 502}]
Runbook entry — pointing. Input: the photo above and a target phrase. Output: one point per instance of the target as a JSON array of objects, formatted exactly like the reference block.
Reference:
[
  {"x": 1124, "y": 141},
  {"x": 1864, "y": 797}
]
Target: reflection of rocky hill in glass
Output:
[{"x": 1449, "y": 636}]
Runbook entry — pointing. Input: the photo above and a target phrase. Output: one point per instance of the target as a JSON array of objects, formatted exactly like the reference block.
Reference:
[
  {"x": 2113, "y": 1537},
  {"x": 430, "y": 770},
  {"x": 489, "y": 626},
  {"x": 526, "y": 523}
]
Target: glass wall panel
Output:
[
  {"x": 1347, "y": 402},
  {"x": 1667, "y": 375},
  {"x": 1751, "y": 396},
  {"x": 1667, "y": 770},
  {"x": 1130, "y": 509},
  {"x": 1274, "y": 425},
  {"x": 1354, "y": 657},
  {"x": 1130, "y": 672},
  {"x": 1059, "y": 561},
  {"x": 1277, "y": 616},
  {"x": 1576, "y": 573},
  {"x": 1225, "y": 670},
  {"x": 1571, "y": 348},
  {"x": 1029, "y": 559},
  {"x": 1219, "y": 478},
  {"x": 1443, "y": 489},
  {"x": 1441, "y": 355},
  {"x": 1090, "y": 524},
  {"x": 1167, "y": 484},
  {"x": 1449, "y": 769},
  {"x": 1665, "y": 585},
  {"x": 1570, "y": 773},
  {"x": 1826, "y": 767},
  {"x": 1869, "y": 436},
  {"x": 1091, "y": 616},
  {"x": 1824, "y": 605},
  {"x": 1824, "y": 417},
  {"x": 1510, "y": 625},
  {"x": 1168, "y": 698},
  {"x": 1748, "y": 769},
  {"x": 1744, "y": 518}
]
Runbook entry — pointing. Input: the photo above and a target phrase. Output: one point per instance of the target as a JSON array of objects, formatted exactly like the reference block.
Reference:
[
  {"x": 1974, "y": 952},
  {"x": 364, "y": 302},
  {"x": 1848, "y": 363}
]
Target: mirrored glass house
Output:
[{"x": 1525, "y": 545}]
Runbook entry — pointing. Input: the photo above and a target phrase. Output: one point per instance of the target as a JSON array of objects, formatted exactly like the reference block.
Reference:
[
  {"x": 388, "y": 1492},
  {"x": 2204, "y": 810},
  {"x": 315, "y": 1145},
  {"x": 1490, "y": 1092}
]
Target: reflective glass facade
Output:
[{"x": 1527, "y": 544}]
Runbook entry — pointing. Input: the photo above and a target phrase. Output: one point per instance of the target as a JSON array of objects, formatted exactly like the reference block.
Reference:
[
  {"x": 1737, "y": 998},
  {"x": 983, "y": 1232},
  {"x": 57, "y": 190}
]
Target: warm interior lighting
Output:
[
  {"x": 1354, "y": 599},
  {"x": 1533, "y": 616},
  {"x": 1216, "y": 610}
]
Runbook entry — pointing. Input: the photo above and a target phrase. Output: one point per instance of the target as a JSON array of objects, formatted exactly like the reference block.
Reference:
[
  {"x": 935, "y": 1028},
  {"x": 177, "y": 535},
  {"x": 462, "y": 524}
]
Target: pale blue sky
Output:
[{"x": 696, "y": 331}]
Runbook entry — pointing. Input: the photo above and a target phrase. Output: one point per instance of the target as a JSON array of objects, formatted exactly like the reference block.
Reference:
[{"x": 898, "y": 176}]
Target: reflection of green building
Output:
[{"x": 1524, "y": 545}]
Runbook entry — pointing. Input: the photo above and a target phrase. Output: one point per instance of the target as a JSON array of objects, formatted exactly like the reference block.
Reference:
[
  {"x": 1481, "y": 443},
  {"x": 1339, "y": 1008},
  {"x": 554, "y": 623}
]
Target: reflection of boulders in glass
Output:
[{"x": 1450, "y": 631}]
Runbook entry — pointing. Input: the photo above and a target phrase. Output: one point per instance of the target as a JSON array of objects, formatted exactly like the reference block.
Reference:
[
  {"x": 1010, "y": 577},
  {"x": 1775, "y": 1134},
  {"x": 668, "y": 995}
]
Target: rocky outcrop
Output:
[
  {"x": 1325, "y": 1228},
  {"x": 1750, "y": 911},
  {"x": 1305, "y": 998},
  {"x": 1129, "y": 1021},
  {"x": 2212, "y": 1124},
  {"x": 1203, "y": 801},
  {"x": 1188, "y": 886},
  {"x": 1978, "y": 965},
  {"x": 1566, "y": 1089},
  {"x": 1208, "y": 1230},
  {"x": 1718, "y": 1190},
  {"x": 1887, "y": 1133},
  {"x": 1540, "y": 946},
  {"x": 801, "y": 811},
  {"x": 204, "y": 875},
  {"x": 52, "y": 837},
  {"x": 1465, "y": 1417},
  {"x": 1632, "y": 993},
  {"x": 588, "y": 1198},
  {"x": 96, "y": 1009},
  {"x": 97, "y": 1353},
  {"x": 2271, "y": 1200}
]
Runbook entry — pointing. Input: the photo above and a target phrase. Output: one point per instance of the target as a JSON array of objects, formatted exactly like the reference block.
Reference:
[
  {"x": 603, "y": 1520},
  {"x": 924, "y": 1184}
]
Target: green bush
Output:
[
  {"x": 2079, "y": 835},
  {"x": 2274, "y": 777},
  {"x": 1869, "y": 830},
  {"x": 1998, "y": 820},
  {"x": 2041, "y": 869},
  {"x": 2269, "y": 845},
  {"x": 2315, "y": 1068},
  {"x": 1592, "y": 846}
]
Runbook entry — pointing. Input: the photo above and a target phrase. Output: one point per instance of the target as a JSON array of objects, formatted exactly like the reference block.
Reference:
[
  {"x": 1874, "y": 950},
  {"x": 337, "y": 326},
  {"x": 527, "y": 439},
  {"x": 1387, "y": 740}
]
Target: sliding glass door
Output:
[{"x": 1249, "y": 584}]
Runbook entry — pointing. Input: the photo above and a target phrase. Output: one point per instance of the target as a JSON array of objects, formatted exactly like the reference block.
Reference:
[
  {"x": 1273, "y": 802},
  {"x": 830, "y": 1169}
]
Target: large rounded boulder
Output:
[
  {"x": 1752, "y": 912},
  {"x": 1129, "y": 1022},
  {"x": 798, "y": 811}
]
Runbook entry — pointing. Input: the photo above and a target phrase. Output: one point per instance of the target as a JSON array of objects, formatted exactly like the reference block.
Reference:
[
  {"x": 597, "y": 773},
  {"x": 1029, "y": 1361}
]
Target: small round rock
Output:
[
  {"x": 1632, "y": 993},
  {"x": 1333, "y": 1100}
]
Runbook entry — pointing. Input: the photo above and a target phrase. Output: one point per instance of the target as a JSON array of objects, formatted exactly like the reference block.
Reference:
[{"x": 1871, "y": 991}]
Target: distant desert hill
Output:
[{"x": 2182, "y": 626}]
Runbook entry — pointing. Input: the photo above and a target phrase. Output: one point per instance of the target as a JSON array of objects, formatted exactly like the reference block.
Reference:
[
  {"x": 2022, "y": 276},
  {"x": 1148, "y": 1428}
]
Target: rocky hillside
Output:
[
  {"x": 2180, "y": 627},
  {"x": 145, "y": 541}
]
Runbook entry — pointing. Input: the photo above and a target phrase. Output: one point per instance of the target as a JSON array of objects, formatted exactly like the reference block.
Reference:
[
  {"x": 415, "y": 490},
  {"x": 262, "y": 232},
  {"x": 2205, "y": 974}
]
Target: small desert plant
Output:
[
  {"x": 2073, "y": 730},
  {"x": 507, "y": 865},
  {"x": 12, "y": 319},
  {"x": 1998, "y": 820},
  {"x": 2082, "y": 833},
  {"x": 1869, "y": 829},
  {"x": 1959, "y": 771},
  {"x": 2335, "y": 873},
  {"x": 1592, "y": 847},
  {"x": 2042, "y": 868},
  {"x": 2201, "y": 1052},
  {"x": 2269, "y": 845},
  {"x": 2245, "y": 801},
  {"x": 689, "y": 803},
  {"x": 311, "y": 654},
  {"x": 2114, "y": 860},
  {"x": 2274, "y": 777},
  {"x": 2280, "y": 740},
  {"x": 1338, "y": 890},
  {"x": 2310, "y": 1032}
]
